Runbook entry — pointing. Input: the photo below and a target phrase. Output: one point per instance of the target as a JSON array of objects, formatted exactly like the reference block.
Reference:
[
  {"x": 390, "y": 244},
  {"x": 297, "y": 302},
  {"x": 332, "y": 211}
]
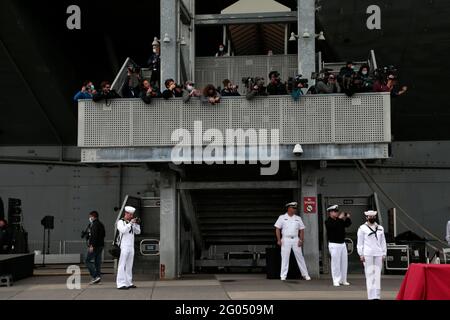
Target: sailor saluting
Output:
[
  {"x": 372, "y": 250},
  {"x": 127, "y": 227},
  {"x": 290, "y": 234}
]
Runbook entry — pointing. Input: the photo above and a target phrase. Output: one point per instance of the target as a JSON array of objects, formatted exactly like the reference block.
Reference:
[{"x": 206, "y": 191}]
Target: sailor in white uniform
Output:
[
  {"x": 447, "y": 236},
  {"x": 127, "y": 227},
  {"x": 290, "y": 234},
  {"x": 372, "y": 251}
]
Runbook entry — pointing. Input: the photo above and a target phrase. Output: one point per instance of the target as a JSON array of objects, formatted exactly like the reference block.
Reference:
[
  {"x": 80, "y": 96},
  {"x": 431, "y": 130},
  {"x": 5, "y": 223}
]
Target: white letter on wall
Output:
[
  {"x": 374, "y": 21},
  {"x": 74, "y": 20}
]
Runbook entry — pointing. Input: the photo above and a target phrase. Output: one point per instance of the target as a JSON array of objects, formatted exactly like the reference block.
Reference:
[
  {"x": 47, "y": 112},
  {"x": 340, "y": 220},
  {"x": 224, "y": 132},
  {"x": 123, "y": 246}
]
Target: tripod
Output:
[{"x": 44, "y": 251}]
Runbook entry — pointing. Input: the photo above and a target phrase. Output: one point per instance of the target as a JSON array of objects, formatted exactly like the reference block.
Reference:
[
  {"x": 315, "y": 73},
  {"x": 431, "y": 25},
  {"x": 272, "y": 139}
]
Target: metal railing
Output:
[
  {"x": 213, "y": 70},
  {"x": 314, "y": 119}
]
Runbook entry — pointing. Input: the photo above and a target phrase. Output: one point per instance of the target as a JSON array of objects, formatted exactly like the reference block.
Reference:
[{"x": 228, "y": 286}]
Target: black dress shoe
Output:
[
  {"x": 123, "y": 288},
  {"x": 132, "y": 287}
]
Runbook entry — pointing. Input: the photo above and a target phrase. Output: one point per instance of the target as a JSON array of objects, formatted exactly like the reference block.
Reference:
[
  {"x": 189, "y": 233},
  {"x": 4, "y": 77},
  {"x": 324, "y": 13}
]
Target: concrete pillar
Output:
[
  {"x": 306, "y": 46},
  {"x": 310, "y": 218},
  {"x": 169, "y": 51},
  {"x": 168, "y": 226}
]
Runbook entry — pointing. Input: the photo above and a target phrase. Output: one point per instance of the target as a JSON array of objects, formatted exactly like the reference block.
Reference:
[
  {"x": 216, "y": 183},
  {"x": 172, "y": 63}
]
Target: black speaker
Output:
[{"x": 48, "y": 222}]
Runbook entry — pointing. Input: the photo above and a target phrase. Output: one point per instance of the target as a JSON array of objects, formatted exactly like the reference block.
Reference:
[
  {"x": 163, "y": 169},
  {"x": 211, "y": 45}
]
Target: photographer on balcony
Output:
[
  {"x": 106, "y": 93},
  {"x": 255, "y": 87},
  {"x": 131, "y": 88},
  {"x": 276, "y": 87},
  {"x": 328, "y": 85},
  {"x": 229, "y": 89},
  {"x": 148, "y": 92},
  {"x": 364, "y": 81},
  {"x": 190, "y": 91},
  {"x": 173, "y": 90},
  {"x": 87, "y": 91},
  {"x": 296, "y": 85},
  {"x": 210, "y": 95},
  {"x": 389, "y": 85}
]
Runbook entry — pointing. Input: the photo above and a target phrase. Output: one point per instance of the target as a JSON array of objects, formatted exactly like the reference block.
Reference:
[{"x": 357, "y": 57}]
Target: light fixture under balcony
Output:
[{"x": 166, "y": 38}]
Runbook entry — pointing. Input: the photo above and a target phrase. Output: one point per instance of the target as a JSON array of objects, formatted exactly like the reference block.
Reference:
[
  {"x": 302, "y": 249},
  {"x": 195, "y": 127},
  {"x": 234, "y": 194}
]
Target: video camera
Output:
[
  {"x": 382, "y": 73},
  {"x": 294, "y": 82}
]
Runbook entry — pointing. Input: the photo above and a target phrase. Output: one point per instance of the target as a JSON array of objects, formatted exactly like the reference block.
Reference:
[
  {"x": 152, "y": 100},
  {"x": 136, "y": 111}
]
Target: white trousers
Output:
[
  {"x": 339, "y": 262},
  {"x": 372, "y": 268},
  {"x": 286, "y": 245},
  {"x": 125, "y": 268}
]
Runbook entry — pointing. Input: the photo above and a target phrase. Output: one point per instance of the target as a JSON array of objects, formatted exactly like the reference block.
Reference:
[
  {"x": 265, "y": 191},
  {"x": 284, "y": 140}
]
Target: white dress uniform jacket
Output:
[
  {"x": 127, "y": 231},
  {"x": 290, "y": 227},
  {"x": 372, "y": 246}
]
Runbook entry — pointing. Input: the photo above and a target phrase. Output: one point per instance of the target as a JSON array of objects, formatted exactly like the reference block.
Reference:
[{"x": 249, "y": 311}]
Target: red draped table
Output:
[{"x": 426, "y": 282}]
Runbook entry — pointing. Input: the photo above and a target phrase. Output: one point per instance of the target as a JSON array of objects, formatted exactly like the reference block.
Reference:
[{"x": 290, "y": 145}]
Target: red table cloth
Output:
[{"x": 426, "y": 282}]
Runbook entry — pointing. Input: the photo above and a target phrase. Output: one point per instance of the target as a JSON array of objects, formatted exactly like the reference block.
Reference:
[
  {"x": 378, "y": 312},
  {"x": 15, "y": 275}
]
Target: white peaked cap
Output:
[
  {"x": 333, "y": 208},
  {"x": 292, "y": 205},
  {"x": 370, "y": 213},
  {"x": 130, "y": 209}
]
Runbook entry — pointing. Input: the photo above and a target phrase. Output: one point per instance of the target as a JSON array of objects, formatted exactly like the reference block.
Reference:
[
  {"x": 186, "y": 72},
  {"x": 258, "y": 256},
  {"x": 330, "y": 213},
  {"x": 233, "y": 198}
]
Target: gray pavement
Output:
[{"x": 197, "y": 287}]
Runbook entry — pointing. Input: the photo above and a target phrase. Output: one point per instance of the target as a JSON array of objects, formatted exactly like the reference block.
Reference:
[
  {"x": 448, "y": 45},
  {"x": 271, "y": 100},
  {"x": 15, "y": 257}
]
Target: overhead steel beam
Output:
[
  {"x": 185, "y": 15},
  {"x": 239, "y": 185},
  {"x": 245, "y": 18}
]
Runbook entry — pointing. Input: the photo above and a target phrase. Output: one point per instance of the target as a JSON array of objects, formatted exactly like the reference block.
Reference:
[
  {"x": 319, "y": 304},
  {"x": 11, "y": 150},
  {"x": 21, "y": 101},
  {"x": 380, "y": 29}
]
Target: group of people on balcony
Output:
[{"x": 347, "y": 81}]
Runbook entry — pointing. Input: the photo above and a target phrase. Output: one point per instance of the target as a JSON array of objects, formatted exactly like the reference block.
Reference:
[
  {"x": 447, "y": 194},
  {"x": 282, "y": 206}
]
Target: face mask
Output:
[
  {"x": 189, "y": 88},
  {"x": 155, "y": 51},
  {"x": 91, "y": 219},
  {"x": 372, "y": 220},
  {"x": 221, "y": 49},
  {"x": 364, "y": 73}
]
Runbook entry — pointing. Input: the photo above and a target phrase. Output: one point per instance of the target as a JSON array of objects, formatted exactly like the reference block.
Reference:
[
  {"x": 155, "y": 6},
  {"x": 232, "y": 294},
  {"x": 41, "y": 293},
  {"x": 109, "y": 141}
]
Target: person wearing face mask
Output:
[
  {"x": 221, "y": 52},
  {"x": 189, "y": 91},
  {"x": 96, "y": 243},
  {"x": 371, "y": 245},
  {"x": 154, "y": 63},
  {"x": 346, "y": 76},
  {"x": 364, "y": 81},
  {"x": 390, "y": 85}
]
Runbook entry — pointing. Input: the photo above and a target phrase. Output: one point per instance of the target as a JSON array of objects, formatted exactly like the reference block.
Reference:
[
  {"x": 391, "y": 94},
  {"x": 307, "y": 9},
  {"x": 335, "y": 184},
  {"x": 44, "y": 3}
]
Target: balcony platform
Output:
[{"x": 329, "y": 127}]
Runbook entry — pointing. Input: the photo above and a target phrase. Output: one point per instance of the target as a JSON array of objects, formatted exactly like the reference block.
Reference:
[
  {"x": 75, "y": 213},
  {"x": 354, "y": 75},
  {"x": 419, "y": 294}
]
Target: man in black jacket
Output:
[
  {"x": 96, "y": 243},
  {"x": 105, "y": 93},
  {"x": 336, "y": 224}
]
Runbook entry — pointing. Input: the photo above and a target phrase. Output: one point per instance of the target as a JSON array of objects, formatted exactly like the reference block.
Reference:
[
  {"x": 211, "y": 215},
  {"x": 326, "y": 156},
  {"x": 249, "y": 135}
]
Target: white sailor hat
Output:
[
  {"x": 333, "y": 208},
  {"x": 370, "y": 213},
  {"x": 129, "y": 209},
  {"x": 292, "y": 205}
]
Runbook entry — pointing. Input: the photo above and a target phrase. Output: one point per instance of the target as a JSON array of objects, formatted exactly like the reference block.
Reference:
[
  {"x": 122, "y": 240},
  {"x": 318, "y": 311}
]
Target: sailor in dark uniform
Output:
[{"x": 154, "y": 63}]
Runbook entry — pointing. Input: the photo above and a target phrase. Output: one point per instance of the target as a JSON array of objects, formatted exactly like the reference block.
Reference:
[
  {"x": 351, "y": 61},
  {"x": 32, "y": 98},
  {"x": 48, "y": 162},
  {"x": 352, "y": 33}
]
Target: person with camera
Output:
[
  {"x": 389, "y": 85},
  {"x": 5, "y": 237},
  {"x": 154, "y": 63},
  {"x": 296, "y": 85},
  {"x": 276, "y": 87},
  {"x": 96, "y": 243},
  {"x": 87, "y": 91},
  {"x": 335, "y": 225},
  {"x": 255, "y": 87},
  {"x": 328, "y": 85},
  {"x": 190, "y": 91},
  {"x": 128, "y": 226},
  {"x": 148, "y": 92},
  {"x": 229, "y": 90},
  {"x": 131, "y": 88},
  {"x": 371, "y": 246},
  {"x": 364, "y": 81},
  {"x": 210, "y": 95},
  {"x": 173, "y": 90},
  {"x": 106, "y": 93}
]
